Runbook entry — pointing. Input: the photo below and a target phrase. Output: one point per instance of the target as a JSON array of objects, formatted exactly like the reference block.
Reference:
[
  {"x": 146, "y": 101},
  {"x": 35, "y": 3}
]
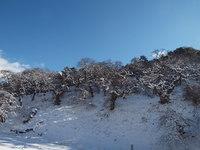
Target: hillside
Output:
[{"x": 104, "y": 105}]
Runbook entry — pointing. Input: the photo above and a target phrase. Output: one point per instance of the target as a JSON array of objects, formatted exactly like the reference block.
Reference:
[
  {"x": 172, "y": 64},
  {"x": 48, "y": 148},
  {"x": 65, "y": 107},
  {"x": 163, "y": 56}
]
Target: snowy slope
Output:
[{"x": 138, "y": 121}]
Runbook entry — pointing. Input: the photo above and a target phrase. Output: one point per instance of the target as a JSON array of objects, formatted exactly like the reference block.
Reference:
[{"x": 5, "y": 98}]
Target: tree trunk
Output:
[{"x": 33, "y": 97}]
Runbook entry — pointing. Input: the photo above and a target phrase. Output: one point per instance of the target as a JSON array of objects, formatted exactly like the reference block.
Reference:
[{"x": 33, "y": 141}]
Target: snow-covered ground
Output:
[{"x": 139, "y": 122}]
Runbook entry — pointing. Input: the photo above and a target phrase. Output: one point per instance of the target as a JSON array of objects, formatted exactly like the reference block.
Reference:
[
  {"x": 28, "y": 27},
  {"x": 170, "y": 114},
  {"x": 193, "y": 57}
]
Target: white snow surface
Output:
[{"x": 89, "y": 125}]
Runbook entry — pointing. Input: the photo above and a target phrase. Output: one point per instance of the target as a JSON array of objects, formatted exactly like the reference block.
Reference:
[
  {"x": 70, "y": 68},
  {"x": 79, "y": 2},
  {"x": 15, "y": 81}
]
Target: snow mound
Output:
[{"x": 137, "y": 122}]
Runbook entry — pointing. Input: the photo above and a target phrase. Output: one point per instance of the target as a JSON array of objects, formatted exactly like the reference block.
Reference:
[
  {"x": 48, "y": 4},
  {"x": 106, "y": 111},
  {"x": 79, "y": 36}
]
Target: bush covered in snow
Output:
[{"x": 8, "y": 105}]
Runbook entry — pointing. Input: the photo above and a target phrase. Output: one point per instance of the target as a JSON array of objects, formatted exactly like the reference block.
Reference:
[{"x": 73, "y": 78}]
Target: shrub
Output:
[
  {"x": 192, "y": 93},
  {"x": 8, "y": 104},
  {"x": 164, "y": 98}
]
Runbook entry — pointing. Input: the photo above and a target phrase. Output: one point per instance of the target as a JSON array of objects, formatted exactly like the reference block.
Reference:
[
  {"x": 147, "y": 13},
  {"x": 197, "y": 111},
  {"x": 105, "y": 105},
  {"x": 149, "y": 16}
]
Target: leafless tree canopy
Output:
[{"x": 157, "y": 77}]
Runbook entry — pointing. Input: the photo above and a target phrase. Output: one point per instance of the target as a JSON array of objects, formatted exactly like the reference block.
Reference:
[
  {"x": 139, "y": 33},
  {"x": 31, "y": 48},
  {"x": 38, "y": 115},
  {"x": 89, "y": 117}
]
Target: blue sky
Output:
[{"x": 58, "y": 33}]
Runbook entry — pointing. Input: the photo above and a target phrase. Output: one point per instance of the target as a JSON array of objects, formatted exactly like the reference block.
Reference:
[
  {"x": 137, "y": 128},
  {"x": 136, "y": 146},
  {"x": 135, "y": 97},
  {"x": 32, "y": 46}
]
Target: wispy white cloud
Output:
[
  {"x": 11, "y": 66},
  {"x": 1, "y": 52}
]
